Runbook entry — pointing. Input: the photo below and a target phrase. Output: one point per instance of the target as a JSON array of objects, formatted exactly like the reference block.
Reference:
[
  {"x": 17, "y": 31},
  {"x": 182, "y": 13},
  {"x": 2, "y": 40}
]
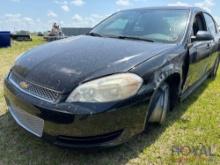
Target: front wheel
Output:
[{"x": 159, "y": 105}]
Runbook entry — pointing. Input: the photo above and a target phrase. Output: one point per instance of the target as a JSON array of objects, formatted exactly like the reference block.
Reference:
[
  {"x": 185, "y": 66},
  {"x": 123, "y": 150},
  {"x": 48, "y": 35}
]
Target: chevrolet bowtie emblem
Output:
[{"x": 24, "y": 85}]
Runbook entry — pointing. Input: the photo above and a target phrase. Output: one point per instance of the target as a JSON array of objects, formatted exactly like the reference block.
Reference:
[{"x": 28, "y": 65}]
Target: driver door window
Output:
[{"x": 198, "y": 24}]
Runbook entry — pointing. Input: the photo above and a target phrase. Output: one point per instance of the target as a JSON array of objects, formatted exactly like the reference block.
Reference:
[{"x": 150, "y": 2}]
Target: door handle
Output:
[{"x": 208, "y": 46}]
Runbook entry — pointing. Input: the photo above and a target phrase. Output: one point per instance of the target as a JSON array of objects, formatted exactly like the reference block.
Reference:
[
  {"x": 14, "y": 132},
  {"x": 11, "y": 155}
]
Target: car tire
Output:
[
  {"x": 214, "y": 71},
  {"x": 159, "y": 105}
]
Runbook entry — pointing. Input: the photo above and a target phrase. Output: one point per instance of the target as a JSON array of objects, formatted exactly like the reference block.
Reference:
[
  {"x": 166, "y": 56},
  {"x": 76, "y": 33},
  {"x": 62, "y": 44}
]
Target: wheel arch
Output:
[{"x": 174, "y": 78}]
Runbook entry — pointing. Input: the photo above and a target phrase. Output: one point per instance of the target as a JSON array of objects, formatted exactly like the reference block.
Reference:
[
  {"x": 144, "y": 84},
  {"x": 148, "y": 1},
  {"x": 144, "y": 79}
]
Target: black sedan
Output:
[{"x": 102, "y": 88}]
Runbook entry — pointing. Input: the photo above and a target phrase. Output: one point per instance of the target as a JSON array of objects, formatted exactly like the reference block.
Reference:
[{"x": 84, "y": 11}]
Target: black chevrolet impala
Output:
[{"x": 102, "y": 88}]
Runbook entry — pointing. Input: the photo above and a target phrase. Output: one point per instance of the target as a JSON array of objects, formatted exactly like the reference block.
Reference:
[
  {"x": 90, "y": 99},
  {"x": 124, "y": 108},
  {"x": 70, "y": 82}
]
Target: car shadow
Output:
[{"x": 120, "y": 155}]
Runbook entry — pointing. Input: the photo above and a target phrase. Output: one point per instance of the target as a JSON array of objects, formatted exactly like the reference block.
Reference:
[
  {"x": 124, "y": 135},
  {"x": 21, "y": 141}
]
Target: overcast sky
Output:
[{"x": 38, "y": 15}]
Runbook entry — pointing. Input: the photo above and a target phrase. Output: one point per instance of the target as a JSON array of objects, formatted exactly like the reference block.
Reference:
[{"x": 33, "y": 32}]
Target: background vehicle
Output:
[{"x": 21, "y": 36}]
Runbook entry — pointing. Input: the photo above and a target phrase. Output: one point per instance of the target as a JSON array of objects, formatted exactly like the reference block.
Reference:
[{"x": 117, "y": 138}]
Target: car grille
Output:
[{"x": 34, "y": 90}]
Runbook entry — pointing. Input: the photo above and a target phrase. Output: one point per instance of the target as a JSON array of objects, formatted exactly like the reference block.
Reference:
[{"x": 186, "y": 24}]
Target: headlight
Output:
[{"x": 107, "y": 89}]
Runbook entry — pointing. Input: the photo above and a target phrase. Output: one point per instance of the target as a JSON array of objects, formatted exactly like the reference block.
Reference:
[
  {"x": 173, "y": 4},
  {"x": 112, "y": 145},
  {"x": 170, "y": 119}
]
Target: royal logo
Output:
[{"x": 24, "y": 85}]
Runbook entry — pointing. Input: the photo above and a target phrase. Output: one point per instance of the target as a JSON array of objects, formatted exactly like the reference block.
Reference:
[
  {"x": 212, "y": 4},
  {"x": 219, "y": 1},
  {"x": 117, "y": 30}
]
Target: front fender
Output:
[
  {"x": 158, "y": 69},
  {"x": 164, "y": 73}
]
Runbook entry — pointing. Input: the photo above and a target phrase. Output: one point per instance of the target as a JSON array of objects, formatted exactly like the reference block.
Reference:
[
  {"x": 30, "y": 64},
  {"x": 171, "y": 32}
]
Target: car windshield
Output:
[{"x": 149, "y": 25}]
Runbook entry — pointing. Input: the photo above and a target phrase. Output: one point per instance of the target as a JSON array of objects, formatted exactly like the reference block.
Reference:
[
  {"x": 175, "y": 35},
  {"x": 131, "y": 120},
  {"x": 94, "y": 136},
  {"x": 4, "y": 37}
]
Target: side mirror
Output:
[{"x": 203, "y": 36}]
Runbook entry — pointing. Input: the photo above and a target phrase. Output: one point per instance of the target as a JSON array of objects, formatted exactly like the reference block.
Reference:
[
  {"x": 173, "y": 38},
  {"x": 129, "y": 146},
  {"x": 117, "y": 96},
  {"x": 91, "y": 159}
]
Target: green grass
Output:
[{"x": 193, "y": 123}]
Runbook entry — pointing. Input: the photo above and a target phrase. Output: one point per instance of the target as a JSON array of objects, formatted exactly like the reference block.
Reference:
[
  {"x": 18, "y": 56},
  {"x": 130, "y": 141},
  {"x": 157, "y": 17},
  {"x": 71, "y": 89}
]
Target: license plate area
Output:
[{"x": 29, "y": 122}]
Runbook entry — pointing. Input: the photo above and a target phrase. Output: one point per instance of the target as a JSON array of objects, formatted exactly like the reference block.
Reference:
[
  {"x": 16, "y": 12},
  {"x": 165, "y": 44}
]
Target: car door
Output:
[
  {"x": 214, "y": 44},
  {"x": 198, "y": 53}
]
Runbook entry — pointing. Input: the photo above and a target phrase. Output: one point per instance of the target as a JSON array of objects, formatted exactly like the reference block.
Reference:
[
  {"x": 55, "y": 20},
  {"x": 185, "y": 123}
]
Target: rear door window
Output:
[{"x": 210, "y": 23}]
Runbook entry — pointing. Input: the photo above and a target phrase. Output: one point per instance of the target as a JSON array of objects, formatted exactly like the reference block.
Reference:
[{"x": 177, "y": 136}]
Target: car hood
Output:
[{"x": 64, "y": 64}]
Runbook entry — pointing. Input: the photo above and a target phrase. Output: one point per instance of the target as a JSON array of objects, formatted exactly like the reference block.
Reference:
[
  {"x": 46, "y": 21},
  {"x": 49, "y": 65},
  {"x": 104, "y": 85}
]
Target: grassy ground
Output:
[{"x": 190, "y": 136}]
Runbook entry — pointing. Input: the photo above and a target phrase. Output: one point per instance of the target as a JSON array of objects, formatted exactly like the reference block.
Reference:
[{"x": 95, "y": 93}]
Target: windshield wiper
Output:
[
  {"x": 121, "y": 37},
  {"x": 94, "y": 34},
  {"x": 132, "y": 38}
]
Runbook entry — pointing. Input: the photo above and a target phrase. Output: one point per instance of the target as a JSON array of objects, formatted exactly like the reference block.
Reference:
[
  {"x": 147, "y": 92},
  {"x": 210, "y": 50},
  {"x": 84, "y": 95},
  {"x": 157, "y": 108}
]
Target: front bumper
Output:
[{"x": 78, "y": 125}]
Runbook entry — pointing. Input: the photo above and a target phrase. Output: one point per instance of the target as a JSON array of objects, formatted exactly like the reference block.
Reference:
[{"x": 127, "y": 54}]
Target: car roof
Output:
[{"x": 191, "y": 8}]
